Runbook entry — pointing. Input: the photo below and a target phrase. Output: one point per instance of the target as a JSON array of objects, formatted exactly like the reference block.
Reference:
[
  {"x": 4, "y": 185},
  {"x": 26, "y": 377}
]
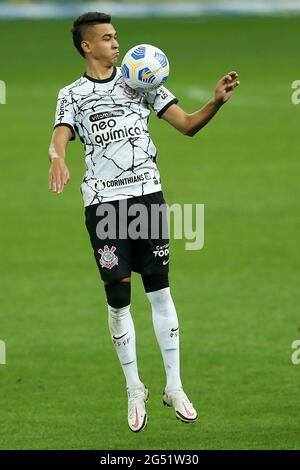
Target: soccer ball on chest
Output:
[{"x": 145, "y": 68}]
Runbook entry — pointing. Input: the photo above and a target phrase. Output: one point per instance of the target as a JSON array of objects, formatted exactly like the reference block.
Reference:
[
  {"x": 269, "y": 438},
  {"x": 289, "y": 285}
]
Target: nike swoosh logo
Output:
[
  {"x": 187, "y": 411},
  {"x": 119, "y": 337},
  {"x": 136, "y": 424},
  {"x": 149, "y": 74},
  {"x": 174, "y": 329},
  {"x": 165, "y": 261}
]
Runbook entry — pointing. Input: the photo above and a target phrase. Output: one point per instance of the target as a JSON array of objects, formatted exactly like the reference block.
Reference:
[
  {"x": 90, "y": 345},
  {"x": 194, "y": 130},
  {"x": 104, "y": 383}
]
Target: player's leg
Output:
[
  {"x": 166, "y": 327},
  {"x": 153, "y": 264},
  {"x": 113, "y": 258},
  {"x": 151, "y": 259},
  {"x": 165, "y": 323},
  {"x": 122, "y": 332}
]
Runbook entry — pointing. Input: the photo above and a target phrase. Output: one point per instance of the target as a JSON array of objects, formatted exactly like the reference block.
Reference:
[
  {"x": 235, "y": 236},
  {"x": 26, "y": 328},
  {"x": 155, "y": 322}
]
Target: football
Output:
[{"x": 145, "y": 67}]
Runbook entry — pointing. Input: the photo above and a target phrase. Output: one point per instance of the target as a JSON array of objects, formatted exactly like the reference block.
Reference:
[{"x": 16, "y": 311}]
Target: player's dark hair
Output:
[{"x": 83, "y": 22}]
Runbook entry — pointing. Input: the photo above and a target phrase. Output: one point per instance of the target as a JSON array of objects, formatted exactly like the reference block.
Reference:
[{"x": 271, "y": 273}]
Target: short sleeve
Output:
[
  {"x": 160, "y": 100},
  {"x": 64, "y": 115}
]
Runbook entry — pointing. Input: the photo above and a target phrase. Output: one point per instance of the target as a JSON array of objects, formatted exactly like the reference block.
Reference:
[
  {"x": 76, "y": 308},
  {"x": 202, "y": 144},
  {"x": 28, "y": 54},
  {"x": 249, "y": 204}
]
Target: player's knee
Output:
[
  {"x": 154, "y": 282},
  {"x": 159, "y": 296},
  {"x": 118, "y": 293}
]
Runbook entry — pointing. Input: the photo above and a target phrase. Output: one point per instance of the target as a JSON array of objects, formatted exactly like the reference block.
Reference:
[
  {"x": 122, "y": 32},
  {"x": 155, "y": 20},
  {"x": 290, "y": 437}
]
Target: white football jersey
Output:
[{"x": 111, "y": 120}]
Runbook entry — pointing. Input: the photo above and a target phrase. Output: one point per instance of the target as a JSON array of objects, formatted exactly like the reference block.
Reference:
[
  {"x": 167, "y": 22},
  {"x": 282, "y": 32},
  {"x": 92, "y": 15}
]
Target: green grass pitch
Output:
[{"x": 237, "y": 299}]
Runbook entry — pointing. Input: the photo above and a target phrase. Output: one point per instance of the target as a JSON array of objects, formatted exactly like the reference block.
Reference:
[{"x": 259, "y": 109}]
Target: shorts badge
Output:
[{"x": 108, "y": 258}]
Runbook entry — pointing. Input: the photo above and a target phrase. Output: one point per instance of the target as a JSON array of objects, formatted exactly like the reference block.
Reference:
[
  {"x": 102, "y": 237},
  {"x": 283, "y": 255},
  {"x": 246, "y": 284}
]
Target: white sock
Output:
[
  {"x": 165, "y": 324},
  {"x": 121, "y": 328}
]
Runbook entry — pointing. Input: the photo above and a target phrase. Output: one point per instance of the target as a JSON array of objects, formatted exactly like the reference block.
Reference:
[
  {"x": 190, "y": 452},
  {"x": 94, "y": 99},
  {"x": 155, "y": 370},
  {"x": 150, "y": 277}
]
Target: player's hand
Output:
[
  {"x": 58, "y": 175},
  {"x": 225, "y": 87}
]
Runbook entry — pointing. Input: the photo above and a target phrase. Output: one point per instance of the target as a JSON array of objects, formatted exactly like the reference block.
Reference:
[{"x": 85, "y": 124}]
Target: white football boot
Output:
[
  {"x": 137, "y": 415},
  {"x": 184, "y": 409}
]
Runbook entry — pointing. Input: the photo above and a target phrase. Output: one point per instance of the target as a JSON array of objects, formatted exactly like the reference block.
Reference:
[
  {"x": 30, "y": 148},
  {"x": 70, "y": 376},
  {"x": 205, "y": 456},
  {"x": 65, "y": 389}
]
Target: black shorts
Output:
[{"x": 123, "y": 251}]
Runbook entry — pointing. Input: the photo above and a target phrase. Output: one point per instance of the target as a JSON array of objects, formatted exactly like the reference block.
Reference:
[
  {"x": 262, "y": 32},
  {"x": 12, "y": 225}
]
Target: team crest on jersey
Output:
[
  {"x": 100, "y": 185},
  {"x": 108, "y": 258},
  {"x": 129, "y": 92}
]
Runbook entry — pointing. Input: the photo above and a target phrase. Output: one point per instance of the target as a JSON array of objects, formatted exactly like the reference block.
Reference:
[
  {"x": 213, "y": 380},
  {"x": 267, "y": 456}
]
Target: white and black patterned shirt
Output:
[{"x": 111, "y": 120}]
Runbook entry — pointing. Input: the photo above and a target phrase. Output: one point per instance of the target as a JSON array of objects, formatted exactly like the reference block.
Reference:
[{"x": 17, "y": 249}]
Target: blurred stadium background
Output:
[
  {"x": 238, "y": 298},
  {"x": 141, "y": 8}
]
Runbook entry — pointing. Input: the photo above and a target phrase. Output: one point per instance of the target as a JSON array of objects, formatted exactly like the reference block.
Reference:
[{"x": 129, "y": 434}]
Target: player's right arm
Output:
[{"x": 59, "y": 174}]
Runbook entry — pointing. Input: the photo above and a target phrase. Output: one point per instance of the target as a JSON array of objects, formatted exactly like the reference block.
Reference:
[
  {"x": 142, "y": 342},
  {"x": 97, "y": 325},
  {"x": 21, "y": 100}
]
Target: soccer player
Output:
[{"x": 111, "y": 120}]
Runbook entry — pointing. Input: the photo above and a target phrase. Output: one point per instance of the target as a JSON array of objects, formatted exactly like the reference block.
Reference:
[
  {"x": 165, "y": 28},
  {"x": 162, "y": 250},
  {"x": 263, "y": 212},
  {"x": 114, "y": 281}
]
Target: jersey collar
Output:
[{"x": 95, "y": 80}]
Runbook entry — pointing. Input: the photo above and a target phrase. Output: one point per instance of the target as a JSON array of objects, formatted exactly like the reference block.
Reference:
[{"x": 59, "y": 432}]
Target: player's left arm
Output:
[{"x": 190, "y": 124}]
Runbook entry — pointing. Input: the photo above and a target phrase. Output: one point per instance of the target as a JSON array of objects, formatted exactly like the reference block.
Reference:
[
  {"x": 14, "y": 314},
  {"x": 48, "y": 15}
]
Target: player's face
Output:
[{"x": 101, "y": 43}]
